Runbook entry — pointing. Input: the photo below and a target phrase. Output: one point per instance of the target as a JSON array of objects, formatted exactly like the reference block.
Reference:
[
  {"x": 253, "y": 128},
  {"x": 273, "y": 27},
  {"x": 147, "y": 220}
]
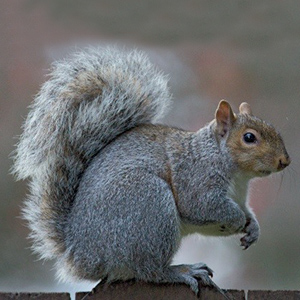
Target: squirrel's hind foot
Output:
[
  {"x": 198, "y": 274},
  {"x": 195, "y": 274}
]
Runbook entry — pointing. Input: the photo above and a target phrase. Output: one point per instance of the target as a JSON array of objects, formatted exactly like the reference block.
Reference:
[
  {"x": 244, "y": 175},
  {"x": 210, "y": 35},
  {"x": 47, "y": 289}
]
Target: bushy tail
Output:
[{"x": 89, "y": 99}]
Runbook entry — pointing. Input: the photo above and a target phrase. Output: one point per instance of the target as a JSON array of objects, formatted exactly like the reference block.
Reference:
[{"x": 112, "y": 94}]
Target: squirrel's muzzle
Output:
[{"x": 283, "y": 162}]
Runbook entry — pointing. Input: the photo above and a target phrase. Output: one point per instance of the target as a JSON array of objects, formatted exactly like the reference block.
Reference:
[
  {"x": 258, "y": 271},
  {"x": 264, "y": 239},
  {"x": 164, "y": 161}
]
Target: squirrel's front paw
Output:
[
  {"x": 235, "y": 221},
  {"x": 252, "y": 233}
]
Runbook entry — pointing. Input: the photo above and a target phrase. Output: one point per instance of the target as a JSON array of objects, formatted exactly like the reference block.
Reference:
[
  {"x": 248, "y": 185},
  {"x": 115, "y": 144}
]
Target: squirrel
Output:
[{"x": 112, "y": 192}]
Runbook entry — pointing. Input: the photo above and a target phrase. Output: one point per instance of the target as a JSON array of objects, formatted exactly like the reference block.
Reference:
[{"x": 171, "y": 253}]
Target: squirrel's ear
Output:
[
  {"x": 224, "y": 117},
  {"x": 245, "y": 109}
]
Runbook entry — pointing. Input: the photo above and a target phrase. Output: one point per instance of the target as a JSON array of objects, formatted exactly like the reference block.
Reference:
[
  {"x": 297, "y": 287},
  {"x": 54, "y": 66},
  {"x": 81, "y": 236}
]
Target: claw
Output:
[
  {"x": 204, "y": 274},
  {"x": 246, "y": 243},
  {"x": 242, "y": 243},
  {"x": 201, "y": 266},
  {"x": 199, "y": 274}
]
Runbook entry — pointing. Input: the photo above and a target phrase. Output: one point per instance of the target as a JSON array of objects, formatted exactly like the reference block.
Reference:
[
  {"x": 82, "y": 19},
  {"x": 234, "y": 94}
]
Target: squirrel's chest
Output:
[{"x": 238, "y": 189}]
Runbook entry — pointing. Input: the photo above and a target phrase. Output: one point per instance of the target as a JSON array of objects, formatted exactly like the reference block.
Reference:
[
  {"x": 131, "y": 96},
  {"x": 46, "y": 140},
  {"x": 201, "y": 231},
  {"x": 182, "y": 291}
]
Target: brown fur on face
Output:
[
  {"x": 262, "y": 157},
  {"x": 265, "y": 155}
]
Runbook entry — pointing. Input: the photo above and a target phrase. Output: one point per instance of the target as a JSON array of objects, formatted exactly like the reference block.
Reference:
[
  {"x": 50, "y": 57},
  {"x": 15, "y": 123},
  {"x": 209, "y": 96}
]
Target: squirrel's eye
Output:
[{"x": 249, "y": 138}]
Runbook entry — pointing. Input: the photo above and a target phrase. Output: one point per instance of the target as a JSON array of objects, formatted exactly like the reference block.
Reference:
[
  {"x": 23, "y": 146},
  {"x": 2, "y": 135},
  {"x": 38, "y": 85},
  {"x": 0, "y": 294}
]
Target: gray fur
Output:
[
  {"x": 89, "y": 99},
  {"x": 111, "y": 192},
  {"x": 125, "y": 198}
]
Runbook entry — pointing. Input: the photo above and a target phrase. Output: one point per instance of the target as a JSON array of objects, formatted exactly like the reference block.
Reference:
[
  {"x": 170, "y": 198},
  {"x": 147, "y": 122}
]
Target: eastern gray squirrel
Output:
[{"x": 112, "y": 192}]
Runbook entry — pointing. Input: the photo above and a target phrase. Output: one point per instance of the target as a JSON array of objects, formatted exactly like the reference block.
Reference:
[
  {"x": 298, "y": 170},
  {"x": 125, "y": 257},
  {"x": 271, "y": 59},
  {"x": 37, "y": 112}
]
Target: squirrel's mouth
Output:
[{"x": 265, "y": 172}]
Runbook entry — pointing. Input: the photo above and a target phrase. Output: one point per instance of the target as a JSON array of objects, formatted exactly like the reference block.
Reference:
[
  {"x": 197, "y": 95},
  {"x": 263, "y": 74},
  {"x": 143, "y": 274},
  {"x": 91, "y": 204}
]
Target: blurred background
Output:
[{"x": 237, "y": 50}]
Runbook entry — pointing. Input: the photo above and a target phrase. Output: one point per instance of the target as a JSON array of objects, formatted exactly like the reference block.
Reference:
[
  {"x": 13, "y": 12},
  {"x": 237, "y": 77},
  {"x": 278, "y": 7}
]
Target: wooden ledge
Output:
[
  {"x": 137, "y": 290},
  {"x": 131, "y": 290},
  {"x": 35, "y": 296}
]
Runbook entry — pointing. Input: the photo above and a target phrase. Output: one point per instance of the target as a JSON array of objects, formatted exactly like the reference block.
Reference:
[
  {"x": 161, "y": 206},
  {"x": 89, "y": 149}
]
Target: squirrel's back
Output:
[{"x": 89, "y": 99}]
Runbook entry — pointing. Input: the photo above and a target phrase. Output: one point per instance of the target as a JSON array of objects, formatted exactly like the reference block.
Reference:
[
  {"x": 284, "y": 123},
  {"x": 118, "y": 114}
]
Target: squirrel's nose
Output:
[{"x": 283, "y": 162}]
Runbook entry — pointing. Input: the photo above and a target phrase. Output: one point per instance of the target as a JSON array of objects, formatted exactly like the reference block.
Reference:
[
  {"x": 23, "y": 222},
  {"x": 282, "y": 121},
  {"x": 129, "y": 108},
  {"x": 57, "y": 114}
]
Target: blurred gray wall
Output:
[{"x": 237, "y": 50}]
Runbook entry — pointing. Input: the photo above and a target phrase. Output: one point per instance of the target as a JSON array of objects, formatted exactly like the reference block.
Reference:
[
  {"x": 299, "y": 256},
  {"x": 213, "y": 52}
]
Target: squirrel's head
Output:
[{"x": 255, "y": 146}]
